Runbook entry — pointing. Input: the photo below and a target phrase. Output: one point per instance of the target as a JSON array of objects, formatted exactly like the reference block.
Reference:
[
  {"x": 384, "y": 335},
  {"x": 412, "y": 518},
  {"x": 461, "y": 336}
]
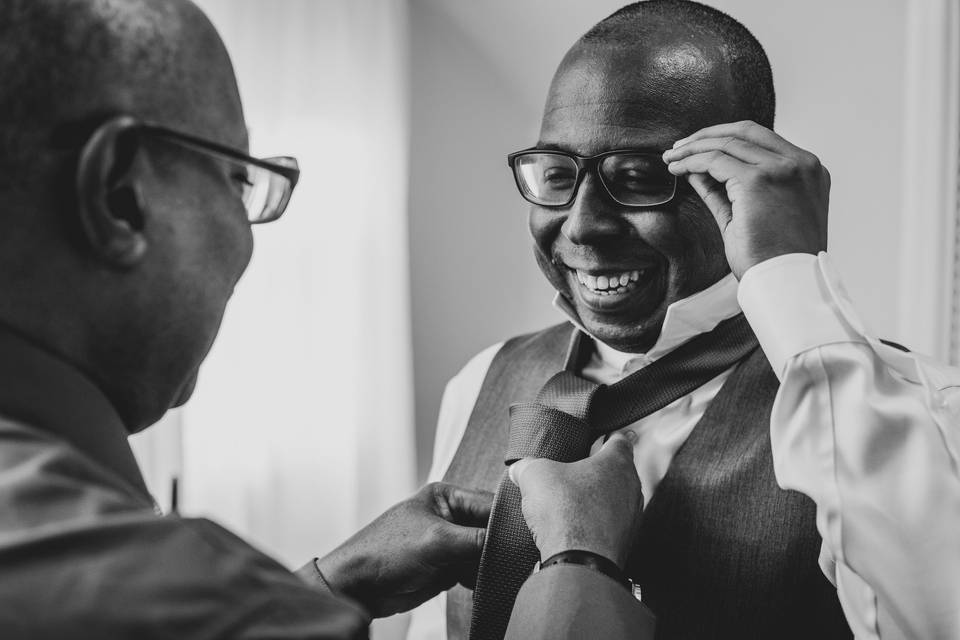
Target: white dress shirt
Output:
[{"x": 870, "y": 433}]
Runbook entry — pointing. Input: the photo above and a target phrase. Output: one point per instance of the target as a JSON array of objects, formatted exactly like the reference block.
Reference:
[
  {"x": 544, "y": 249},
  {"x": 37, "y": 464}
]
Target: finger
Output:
[
  {"x": 745, "y": 130},
  {"x": 516, "y": 469},
  {"x": 468, "y": 506},
  {"x": 714, "y": 195},
  {"x": 735, "y": 147},
  {"x": 618, "y": 445},
  {"x": 717, "y": 164},
  {"x": 455, "y": 543},
  {"x": 522, "y": 467}
]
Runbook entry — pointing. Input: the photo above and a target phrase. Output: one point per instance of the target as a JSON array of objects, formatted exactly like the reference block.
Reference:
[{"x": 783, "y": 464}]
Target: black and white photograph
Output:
[{"x": 479, "y": 320}]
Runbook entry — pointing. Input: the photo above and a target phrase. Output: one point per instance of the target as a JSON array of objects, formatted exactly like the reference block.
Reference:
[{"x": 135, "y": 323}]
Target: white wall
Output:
[{"x": 480, "y": 71}]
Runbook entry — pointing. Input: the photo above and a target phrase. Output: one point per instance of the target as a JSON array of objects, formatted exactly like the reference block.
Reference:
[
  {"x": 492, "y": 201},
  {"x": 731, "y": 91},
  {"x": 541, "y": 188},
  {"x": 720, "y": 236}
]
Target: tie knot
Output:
[
  {"x": 569, "y": 393},
  {"x": 541, "y": 431}
]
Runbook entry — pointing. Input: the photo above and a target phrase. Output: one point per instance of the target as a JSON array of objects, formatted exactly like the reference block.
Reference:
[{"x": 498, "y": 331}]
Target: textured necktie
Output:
[{"x": 561, "y": 424}]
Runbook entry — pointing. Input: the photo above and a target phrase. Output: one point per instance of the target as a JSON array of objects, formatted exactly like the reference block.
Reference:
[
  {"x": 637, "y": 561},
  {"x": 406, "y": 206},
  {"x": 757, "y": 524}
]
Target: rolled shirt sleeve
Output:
[{"x": 870, "y": 433}]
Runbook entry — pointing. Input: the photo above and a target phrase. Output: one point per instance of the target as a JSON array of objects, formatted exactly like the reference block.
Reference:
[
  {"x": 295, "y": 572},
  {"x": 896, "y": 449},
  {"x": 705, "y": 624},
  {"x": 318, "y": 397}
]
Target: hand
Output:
[
  {"x": 594, "y": 504},
  {"x": 416, "y": 549},
  {"x": 768, "y": 196}
]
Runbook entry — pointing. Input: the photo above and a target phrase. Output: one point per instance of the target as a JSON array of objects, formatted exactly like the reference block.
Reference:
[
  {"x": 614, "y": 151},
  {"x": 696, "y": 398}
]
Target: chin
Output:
[
  {"x": 626, "y": 315},
  {"x": 186, "y": 391}
]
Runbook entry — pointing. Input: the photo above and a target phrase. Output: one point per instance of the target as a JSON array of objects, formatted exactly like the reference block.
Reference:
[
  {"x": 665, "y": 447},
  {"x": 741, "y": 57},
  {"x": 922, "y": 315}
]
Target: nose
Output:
[{"x": 592, "y": 216}]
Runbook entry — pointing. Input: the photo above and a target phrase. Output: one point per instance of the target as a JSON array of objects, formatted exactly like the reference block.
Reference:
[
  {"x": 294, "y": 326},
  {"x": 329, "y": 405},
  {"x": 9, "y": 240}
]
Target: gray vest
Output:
[{"x": 723, "y": 551}]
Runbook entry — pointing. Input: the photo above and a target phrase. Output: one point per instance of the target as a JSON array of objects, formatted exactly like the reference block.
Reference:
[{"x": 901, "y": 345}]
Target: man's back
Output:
[{"x": 83, "y": 552}]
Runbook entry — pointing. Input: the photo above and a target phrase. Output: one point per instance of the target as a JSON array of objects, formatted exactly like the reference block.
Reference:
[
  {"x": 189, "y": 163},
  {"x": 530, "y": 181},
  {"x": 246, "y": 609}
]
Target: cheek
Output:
[{"x": 544, "y": 227}]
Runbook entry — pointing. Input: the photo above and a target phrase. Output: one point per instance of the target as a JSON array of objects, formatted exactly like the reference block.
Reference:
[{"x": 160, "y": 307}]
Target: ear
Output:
[{"x": 109, "y": 202}]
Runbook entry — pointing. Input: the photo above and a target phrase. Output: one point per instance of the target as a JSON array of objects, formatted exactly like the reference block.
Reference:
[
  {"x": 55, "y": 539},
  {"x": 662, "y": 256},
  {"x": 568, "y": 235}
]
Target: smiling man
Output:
[{"x": 775, "y": 478}]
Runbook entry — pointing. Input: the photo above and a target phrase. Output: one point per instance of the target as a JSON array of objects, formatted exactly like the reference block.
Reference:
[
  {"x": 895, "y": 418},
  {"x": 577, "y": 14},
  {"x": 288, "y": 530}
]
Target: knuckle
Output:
[
  {"x": 787, "y": 168},
  {"x": 434, "y": 535},
  {"x": 809, "y": 161},
  {"x": 432, "y": 490}
]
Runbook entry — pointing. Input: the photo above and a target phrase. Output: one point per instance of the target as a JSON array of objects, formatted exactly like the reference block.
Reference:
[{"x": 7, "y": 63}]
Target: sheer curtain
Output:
[{"x": 301, "y": 426}]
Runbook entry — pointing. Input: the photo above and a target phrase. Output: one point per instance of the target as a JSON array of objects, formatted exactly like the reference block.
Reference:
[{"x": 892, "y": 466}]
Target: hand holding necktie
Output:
[
  {"x": 593, "y": 505},
  {"x": 416, "y": 549}
]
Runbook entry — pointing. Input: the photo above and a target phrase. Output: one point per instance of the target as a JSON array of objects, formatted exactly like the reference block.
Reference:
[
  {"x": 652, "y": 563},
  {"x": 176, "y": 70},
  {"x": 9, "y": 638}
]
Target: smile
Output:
[
  {"x": 611, "y": 291},
  {"x": 610, "y": 284}
]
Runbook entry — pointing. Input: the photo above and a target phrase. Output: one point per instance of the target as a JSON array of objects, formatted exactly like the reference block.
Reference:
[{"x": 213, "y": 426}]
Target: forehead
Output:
[{"x": 608, "y": 97}]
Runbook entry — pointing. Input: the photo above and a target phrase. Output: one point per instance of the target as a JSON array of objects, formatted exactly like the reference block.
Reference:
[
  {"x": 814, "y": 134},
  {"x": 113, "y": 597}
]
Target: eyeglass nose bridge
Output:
[{"x": 592, "y": 165}]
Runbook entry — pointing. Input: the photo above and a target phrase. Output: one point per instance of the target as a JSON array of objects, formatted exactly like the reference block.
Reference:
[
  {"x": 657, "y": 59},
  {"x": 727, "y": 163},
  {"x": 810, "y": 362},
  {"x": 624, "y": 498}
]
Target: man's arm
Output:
[
  {"x": 571, "y": 601},
  {"x": 593, "y": 507},
  {"x": 868, "y": 432}
]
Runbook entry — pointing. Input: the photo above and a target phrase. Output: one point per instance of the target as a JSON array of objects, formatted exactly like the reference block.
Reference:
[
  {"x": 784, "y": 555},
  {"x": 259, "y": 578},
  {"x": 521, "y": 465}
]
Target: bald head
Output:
[
  {"x": 69, "y": 60},
  {"x": 118, "y": 250},
  {"x": 688, "y": 44}
]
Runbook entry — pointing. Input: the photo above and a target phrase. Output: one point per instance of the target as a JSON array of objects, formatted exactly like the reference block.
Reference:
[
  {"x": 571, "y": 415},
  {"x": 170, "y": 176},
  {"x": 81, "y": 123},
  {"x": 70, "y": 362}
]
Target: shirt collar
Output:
[
  {"x": 44, "y": 392},
  {"x": 685, "y": 319}
]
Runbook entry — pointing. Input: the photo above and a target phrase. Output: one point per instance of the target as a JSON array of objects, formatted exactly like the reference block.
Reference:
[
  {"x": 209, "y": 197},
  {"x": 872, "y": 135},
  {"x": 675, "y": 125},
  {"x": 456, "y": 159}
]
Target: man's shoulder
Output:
[
  {"x": 479, "y": 364},
  {"x": 550, "y": 338}
]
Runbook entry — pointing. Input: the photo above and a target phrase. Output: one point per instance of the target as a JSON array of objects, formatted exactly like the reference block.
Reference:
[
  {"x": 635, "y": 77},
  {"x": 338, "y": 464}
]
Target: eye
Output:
[
  {"x": 558, "y": 177},
  {"x": 636, "y": 175},
  {"x": 241, "y": 176}
]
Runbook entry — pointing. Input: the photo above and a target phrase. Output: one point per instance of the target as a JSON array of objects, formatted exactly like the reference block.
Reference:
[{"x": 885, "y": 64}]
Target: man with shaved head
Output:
[
  {"x": 127, "y": 200},
  {"x": 800, "y": 476}
]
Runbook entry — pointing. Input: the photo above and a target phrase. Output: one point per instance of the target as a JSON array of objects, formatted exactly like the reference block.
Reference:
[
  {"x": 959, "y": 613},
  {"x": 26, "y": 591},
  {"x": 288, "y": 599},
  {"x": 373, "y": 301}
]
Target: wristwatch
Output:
[{"x": 596, "y": 562}]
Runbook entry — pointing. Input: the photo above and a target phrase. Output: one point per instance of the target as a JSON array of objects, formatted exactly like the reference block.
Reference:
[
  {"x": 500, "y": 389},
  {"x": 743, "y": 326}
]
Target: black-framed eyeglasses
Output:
[
  {"x": 632, "y": 177},
  {"x": 267, "y": 183}
]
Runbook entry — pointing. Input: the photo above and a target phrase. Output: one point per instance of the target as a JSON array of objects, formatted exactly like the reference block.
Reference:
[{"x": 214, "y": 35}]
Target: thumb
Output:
[
  {"x": 714, "y": 195},
  {"x": 458, "y": 543},
  {"x": 618, "y": 446},
  {"x": 516, "y": 469}
]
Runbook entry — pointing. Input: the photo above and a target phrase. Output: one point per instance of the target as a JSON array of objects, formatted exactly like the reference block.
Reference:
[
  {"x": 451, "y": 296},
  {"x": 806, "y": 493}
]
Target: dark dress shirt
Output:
[{"x": 84, "y": 553}]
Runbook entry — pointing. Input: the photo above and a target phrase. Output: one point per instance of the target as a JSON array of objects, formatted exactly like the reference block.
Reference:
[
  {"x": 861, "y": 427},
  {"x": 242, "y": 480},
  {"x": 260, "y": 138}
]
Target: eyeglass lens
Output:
[
  {"x": 632, "y": 179},
  {"x": 265, "y": 193}
]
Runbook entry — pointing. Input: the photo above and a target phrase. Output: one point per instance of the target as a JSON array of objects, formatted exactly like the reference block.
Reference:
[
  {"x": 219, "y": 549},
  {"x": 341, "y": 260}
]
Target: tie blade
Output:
[{"x": 509, "y": 556}]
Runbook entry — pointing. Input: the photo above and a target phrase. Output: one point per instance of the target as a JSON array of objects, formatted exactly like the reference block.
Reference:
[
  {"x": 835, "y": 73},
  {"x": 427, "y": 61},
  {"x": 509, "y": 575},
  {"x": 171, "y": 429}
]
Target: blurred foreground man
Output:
[
  {"x": 127, "y": 198},
  {"x": 803, "y": 489}
]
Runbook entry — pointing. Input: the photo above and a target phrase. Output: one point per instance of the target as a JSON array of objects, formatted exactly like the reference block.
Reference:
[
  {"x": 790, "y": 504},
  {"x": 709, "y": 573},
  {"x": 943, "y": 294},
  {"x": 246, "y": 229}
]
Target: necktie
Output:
[{"x": 567, "y": 416}]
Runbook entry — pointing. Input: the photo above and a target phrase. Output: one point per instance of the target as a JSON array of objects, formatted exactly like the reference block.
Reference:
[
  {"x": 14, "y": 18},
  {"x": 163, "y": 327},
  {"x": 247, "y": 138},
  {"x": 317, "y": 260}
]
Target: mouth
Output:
[{"x": 615, "y": 290}]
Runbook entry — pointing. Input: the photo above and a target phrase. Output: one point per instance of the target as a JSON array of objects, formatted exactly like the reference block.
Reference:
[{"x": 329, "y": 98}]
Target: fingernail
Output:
[
  {"x": 630, "y": 435},
  {"x": 512, "y": 471},
  {"x": 680, "y": 142}
]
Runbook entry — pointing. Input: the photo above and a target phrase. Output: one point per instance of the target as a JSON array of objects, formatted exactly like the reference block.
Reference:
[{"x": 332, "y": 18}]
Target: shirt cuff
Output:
[{"x": 795, "y": 303}]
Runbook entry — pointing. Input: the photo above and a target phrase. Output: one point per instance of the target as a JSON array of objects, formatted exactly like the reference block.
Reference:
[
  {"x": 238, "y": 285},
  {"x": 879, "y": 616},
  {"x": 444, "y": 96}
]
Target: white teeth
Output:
[{"x": 609, "y": 284}]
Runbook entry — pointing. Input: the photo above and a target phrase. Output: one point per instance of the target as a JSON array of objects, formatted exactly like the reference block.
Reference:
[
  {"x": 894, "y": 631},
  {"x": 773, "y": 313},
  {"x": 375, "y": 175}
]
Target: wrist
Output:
[
  {"x": 604, "y": 549},
  {"x": 591, "y": 560},
  {"x": 343, "y": 574}
]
